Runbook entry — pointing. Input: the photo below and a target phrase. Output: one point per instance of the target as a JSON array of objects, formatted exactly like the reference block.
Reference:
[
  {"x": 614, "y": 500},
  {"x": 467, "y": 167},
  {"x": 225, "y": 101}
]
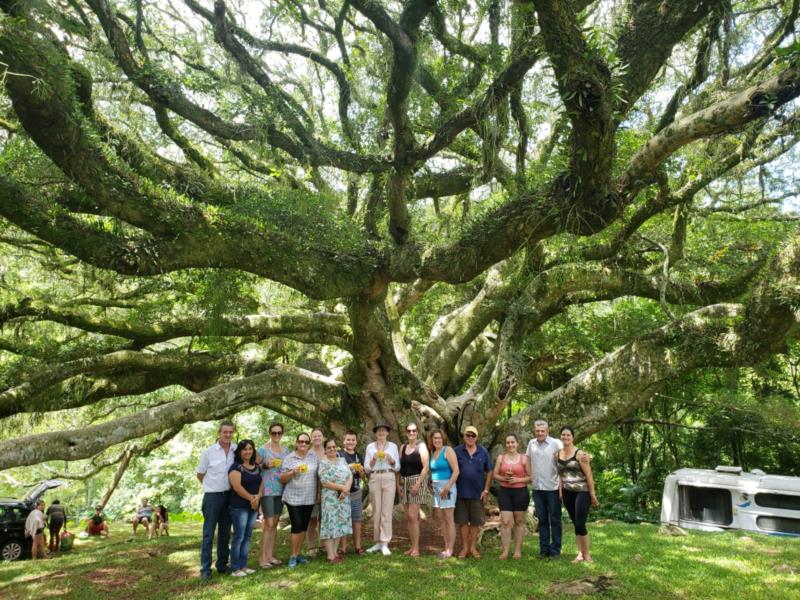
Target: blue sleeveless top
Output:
[{"x": 440, "y": 468}]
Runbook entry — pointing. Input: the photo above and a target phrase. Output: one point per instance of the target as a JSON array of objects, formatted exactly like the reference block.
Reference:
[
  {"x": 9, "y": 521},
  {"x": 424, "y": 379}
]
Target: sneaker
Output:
[
  {"x": 205, "y": 576},
  {"x": 385, "y": 550},
  {"x": 248, "y": 571},
  {"x": 376, "y": 548},
  {"x": 239, "y": 573},
  {"x": 292, "y": 562},
  {"x": 302, "y": 560}
]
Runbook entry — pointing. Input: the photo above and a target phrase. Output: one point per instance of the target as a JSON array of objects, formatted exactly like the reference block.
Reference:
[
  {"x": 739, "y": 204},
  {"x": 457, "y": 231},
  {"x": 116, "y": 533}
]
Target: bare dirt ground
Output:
[{"x": 430, "y": 534}]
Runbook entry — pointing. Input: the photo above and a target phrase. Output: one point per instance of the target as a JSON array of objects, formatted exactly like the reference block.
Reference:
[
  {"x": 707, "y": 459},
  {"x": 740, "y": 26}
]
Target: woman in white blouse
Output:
[{"x": 381, "y": 462}]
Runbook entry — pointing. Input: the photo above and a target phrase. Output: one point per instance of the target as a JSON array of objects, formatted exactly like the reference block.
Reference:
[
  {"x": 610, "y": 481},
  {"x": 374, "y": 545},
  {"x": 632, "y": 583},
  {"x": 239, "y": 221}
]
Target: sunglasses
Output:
[
  {"x": 411, "y": 431},
  {"x": 276, "y": 433},
  {"x": 304, "y": 442},
  {"x": 470, "y": 435}
]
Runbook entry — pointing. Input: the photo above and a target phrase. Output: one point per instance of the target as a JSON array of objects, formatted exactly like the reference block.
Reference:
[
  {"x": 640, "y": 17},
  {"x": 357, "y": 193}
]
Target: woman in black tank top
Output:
[
  {"x": 411, "y": 483},
  {"x": 410, "y": 464}
]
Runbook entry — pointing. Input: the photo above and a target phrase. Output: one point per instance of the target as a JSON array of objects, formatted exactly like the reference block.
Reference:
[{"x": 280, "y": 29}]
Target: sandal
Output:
[
  {"x": 413, "y": 553},
  {"x": 275, "y": 562},
  {"x": 341, "y": 552},
  {"x": 334, "y": 561},
  {"x": 360, "y": 551},
  {"x": 266, "y": 566}
]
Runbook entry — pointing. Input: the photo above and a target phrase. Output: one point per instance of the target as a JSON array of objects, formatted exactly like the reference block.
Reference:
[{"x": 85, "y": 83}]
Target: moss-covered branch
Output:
[
  {"x": 730, "y": 114},
  {"x": 720, "y": 335},
  {"x": 263, "y": 389},
  {"x": 317, "y": 328}
]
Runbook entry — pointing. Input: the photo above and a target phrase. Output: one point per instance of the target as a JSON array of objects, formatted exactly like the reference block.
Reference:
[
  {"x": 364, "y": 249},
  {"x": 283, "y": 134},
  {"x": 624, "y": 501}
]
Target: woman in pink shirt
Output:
[{"x": 513, "y": 471}]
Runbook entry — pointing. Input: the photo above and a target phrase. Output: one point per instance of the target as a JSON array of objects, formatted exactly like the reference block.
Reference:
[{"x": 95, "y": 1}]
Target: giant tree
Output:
[{"x": 426, "y": 186}]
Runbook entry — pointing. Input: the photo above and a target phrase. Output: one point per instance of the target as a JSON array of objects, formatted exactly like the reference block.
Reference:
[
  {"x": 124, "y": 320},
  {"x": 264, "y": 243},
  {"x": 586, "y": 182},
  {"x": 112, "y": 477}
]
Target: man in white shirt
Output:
[
  {"x": 212, "y": 472},
  {"x": 543, "y": 453}
]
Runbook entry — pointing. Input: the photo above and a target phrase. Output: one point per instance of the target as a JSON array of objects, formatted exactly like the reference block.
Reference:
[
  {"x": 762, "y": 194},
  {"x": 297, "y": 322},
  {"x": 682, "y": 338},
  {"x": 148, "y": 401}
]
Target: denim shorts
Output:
[
  {"x": 438, "y": 501},
  {"x": 271, "y": 506}
]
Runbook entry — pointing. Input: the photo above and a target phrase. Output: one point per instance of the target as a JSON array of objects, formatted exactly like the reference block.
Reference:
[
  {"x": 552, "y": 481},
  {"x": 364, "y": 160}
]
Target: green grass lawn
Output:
[{"x": 641, "y": 563}]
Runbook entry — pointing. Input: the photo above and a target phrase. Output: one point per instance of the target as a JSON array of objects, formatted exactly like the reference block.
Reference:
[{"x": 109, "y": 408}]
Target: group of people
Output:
[
  {"x": 320, "y": 484},
  {"x": 155, "y": 520},
  {"x": 54, "y": 519}
]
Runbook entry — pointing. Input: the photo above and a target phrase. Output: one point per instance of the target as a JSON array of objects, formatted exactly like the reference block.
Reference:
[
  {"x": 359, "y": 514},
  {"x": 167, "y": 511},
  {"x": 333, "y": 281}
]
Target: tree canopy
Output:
[{"x": 357, "y": 211}]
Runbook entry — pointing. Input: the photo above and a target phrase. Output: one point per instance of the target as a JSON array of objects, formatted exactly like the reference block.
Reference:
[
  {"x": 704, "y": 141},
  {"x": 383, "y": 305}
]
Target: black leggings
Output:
[
  {"x": 299, "y": 516},
  {"x": 577, "y": 505}
]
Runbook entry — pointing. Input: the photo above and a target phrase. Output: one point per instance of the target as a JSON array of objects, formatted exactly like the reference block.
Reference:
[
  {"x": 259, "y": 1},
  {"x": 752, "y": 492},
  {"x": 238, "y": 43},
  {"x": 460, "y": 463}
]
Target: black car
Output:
[{"x": 13, "y": 543}]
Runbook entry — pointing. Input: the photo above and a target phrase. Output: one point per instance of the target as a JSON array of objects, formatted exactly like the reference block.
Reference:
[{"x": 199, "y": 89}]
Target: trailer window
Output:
[
  {"x": 778, "y": 524},
  {"x": 705, "y": 505},
  {"x": 784, "y": 501}
]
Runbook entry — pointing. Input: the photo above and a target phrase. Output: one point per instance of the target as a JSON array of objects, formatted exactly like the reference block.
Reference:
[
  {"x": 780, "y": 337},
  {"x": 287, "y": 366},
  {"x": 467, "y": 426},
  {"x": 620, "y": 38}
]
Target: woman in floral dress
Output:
[{"x": 335, "y": 478}]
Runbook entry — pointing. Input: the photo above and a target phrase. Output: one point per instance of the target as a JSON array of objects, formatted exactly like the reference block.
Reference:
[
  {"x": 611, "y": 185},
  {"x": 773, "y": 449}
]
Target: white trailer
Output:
[{"x": 728, "y": 498}]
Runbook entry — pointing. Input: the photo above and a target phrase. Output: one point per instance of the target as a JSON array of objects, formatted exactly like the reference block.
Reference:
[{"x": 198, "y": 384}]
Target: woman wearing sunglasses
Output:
[
  {"x": 412, "y": 488},
  {"x": 271, "y": 455},
  {"x": 444, "y": 473},
  {"x": 299, "y": 478}
]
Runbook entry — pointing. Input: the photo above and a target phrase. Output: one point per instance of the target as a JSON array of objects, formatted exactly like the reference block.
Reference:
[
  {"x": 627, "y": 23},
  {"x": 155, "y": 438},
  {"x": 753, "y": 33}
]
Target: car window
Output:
[{"x": 10, "y": 514}]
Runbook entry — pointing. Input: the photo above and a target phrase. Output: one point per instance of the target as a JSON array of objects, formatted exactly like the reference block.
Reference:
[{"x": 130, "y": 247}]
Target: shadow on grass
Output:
[{"x": 641, "y": 563}]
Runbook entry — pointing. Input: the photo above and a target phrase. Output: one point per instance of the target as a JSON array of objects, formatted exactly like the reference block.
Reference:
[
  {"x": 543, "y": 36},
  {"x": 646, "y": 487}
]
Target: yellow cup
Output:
[
  {"x": 357, "y": 466},
  {"x": 380, "y": 454},
  {"x": 303, "y": 468},
  {"x": 276, "y": 462}
]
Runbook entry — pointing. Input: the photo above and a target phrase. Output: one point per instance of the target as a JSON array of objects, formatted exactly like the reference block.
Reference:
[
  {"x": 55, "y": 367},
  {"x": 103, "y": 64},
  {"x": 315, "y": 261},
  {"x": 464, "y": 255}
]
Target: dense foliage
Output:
[{"x": 459, "y": 212}]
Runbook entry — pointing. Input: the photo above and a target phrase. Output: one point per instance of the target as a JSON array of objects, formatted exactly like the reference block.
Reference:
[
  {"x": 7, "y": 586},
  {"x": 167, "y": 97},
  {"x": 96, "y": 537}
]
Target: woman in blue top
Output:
[
  {"x": 245, "y": 477},
  {"x": 272, "y": 455},
  {"x": 444, "y": 472}
]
